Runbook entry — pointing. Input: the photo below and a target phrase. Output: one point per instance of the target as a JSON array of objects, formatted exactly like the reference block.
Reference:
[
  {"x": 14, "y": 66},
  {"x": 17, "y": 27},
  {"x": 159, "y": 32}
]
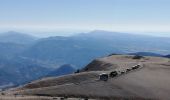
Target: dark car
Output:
[
  {"x": 113, "y": 74},
  {"x": 104, "y": 77},
  {"x": 127, "y": 70}
]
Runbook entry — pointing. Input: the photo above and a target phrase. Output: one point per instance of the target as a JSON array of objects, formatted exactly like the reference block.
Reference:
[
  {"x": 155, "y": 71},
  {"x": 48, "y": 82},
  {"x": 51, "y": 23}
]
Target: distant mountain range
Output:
[
  {"x": 17, "y": 72},
  {"x": 15, "y": 37},
  {"x": 168, "y": 56},
  {"x": 81, "y": 49},
  {"x": 22, "y": 56}
]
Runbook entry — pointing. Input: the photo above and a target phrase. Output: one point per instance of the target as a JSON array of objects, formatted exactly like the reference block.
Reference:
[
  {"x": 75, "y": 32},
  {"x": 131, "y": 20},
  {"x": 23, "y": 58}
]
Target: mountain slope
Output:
[
  {"x": 15, "y": 37},
  {"x": 62, "y": 70},
  {"x": 16, "y": 72},
  {"x": 146, "y": 82},
  {"x": 9, "y": 50}
]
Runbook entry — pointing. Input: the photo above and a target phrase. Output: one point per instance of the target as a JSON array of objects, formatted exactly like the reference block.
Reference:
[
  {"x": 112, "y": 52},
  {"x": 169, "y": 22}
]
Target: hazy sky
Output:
[{"x": 77, "y": 15}]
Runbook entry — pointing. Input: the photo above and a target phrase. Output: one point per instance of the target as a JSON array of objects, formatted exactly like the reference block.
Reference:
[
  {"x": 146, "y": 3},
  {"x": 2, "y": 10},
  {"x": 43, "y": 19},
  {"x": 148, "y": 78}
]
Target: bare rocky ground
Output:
[{"x": 150, "y": 81}]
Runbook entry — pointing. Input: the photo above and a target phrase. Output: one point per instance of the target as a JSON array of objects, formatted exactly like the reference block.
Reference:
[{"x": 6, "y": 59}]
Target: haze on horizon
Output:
[{"x": 69, "y": 16}]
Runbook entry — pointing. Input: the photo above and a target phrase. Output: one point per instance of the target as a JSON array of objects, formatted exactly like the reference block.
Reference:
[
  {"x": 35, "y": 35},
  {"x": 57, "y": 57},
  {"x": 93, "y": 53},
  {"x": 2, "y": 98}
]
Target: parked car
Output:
[
  {"x": 113, "y": 74},
  {"x": 136, "y": 66},
  {"x": 127, "y": 70},
  {"x": 104, "y": 77}
]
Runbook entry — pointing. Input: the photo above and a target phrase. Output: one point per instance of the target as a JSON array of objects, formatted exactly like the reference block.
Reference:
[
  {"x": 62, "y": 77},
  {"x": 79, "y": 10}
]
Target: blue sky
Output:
[{"x": 77, "y": 15}]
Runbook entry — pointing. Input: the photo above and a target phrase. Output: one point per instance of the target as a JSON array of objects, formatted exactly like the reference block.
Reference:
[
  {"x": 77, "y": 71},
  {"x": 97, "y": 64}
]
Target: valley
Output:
[{"x": 25, "y": 58}]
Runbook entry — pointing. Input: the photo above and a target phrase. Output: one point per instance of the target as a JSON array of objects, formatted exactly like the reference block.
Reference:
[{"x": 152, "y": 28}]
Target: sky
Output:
[{"x": 67, "y": 16}]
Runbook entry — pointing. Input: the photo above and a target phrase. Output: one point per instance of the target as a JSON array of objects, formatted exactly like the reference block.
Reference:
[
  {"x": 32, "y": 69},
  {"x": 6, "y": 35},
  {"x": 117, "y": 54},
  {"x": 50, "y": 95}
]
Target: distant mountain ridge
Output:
[
  {"x": 16, "y": 37},
  {"x": 82, "y": 48},
  {"x": 168, "y": 56}
]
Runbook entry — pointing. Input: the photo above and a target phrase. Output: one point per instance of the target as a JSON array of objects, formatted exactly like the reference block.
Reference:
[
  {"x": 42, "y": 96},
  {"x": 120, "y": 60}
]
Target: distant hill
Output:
[
  {"x": 17, "y": 72},
  {"x": 62, "y": 70},
  {"x": 71, "y": 50},
  {"x": 147, "y": 54},
  {"x": 15, "y": 37},
  {"x": 168, "y": 56},
  {"x": 82, "y": 48}
]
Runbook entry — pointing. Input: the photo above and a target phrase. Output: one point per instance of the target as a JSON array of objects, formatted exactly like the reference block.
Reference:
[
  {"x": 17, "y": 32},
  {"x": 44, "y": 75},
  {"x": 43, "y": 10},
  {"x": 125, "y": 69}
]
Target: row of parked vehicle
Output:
[{"x": 105, "y": 76}]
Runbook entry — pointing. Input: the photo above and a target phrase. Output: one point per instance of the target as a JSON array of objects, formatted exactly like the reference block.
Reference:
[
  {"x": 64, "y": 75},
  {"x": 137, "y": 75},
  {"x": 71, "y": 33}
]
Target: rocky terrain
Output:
[{"x": 150, "y": 80}]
